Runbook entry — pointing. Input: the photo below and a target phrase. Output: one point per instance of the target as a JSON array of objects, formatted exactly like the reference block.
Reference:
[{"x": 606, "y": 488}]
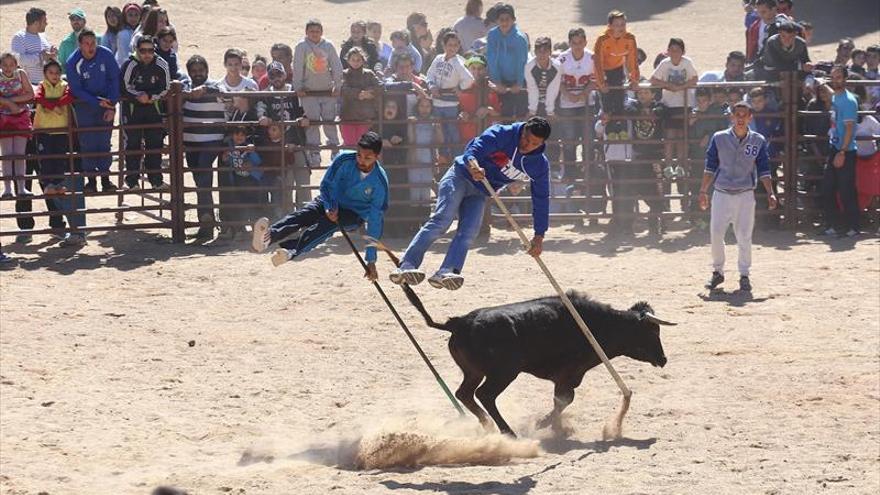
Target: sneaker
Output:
[
  {"x": 5, "y": 259},
  {"x": 436, "y": 280},
  {"x": 408, "y": 276},
  {"x": 450, "y": 281},
  {"x": 60, "y": 189},
  {"x": 57, "y": 235},
  {"x": 828, "y": 231},
  {"x": 91, "y": 186},
  {"x": 260, "y": 240},
  {"x": 744, "y": 284},
  {"x": 7, "y": 194},
  {"x": 161, "y": 187},
  {"x": 22, "y": 193},
  {"x": 852, "y": 233},
  {"x": 204, "y": 234},
  {"x": 24, "y": 238},
  {"x": 282, "y": 256},
  {"x": 133, "y": 188},
  {"x": 716, "y": 280},
  {"x": 73, "y": 240},
  {"x": 50, "y": 190},
  {"x": 227, "y": 234},
  {"x": 107, "y": 185}
]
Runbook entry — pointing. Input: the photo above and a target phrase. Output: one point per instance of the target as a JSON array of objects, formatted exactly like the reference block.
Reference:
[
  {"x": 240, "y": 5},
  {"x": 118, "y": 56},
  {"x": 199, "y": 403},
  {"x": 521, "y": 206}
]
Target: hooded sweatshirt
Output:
[
  {"x": 611, "y": 53},
  {"x": 344, "y": 187},
  {"x": 507, "y": 55},
  {"x": 90, "y": 79},
  {"x": 316, "y": 67},
  {"x": 497, "y": 151}
]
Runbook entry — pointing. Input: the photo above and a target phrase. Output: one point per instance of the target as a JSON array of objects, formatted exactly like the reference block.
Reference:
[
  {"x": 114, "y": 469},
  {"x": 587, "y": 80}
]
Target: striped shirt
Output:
[
  {"x": 208, "y": 108},
  {"x": 29, "y": 46}
]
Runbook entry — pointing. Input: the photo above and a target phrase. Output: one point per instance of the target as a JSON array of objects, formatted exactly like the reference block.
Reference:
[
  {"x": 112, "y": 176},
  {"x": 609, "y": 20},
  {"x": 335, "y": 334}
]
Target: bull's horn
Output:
[
  {"x": 373, "y": 242},
  {"x": 653, "y": 319}
]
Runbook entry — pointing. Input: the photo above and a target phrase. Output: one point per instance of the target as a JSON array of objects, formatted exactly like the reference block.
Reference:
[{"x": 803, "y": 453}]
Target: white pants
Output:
[
  {"x": 738, "y": 209},
  {"x": 319, "y": 108}
]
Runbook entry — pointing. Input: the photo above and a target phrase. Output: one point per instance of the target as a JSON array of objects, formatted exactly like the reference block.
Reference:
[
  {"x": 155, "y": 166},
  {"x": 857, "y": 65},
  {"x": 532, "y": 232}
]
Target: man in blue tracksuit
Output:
[
  {"x": 503, "y": 154},
  {"x": 354, "y": 190},
  {"x": 735, "y": 160},
  {"x": 93, "y": 76},
  {"x": 507, "y": 52}
]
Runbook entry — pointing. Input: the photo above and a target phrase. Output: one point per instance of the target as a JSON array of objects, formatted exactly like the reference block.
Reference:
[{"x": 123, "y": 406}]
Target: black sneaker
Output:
[
  {"x": 107, "y": 185},
  {"x": 716, "y": 280},
  {"x": 744, "y": 284},
  {"x": 91, "y": 186}
]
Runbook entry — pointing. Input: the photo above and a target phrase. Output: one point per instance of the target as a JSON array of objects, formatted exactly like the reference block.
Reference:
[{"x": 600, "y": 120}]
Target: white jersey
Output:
[{"x": 576, "y": 75}]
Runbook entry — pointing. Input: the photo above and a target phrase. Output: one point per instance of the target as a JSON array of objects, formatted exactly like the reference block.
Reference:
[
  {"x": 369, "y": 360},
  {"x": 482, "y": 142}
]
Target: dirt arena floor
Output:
[{"x": 134, "y": 362}]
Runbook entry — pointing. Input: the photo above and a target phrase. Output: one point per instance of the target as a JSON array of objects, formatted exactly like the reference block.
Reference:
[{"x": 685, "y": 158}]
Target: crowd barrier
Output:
[{"x": 596, "y": 184}]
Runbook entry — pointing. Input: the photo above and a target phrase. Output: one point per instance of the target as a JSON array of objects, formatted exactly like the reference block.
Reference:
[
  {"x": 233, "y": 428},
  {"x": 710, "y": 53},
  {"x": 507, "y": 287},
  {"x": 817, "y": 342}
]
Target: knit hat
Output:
[
  {"x": 77, "y": 12},
  {"x": 277, "y": 67},
  {"x": 131, "y": 6}
]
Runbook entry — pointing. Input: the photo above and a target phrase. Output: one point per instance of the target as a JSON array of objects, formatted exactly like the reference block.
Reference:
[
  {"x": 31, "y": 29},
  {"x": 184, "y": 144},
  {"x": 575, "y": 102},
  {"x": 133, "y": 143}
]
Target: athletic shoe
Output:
[
  {"x": 452, "y": 281},
  {"x": 828, "y": 231},
  {"x": 282, "y": 256},
  {"x": 6, "y": 259},
  {"x": 852, "y": 233},
  {"x": 50, "y": 190},
  {"x": 260, "y": 241},
  {"x": 91, "y": 186},
  {"x": 73, "y": 240},
  {"x": 408, "y": 276},
  {"x": 24, "y": 238},
  {"x": 24, "y": 193},
  {"x": 133, "y": 188},
  {"x": 107, "y": 185},
  {"x": 436, "y": 280},
  {"x": 227, "y": 234},
  {"x": 716, "y": 280},
  {"x": 162, "y": 187},
  {"x": 744, "y": 284}
]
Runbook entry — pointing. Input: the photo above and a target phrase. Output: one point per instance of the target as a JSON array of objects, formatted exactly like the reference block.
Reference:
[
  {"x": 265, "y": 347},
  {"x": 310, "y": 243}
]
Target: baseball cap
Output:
[
  {"x": 77, "y": 12},
  {"x": 476, "y": 59},
  {"x": 276, "y": 66}
]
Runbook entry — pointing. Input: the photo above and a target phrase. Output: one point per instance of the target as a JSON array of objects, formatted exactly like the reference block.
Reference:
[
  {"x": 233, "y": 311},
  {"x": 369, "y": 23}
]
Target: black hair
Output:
[
  {"x": 196, "y": 60},
  {"x": 676, "y": 41},
  {"x": 146, "y": 39},
  {"x": 370, "y": 141},
  {"x": 544, "y": 42},
  {"x": 84, "y": 33},
  {"x": 506, "y": 9},
  {"x": 445, "y": 37},
  {"x": 615, "y": 14},
  {"x": 51, "y": 62},
  {"x": 314, "y": 22},
  {"x": 703, "y": 92},
  {"x": 736, "y": 55},
  {"x": 281, "y": 47},
  {"x": 538, "y": 127},
  {"x": 841, "y": 68},
  {"x": 788, "y": 27},
  {"x": 770, "y": 4},
  {"x": 402, "y": 35},
  {"x": 232, "y": 53},
  {"x": 743, "y": 104},
  {"x": 33, "y": 15},
  {"x": 576, "y": 32}
]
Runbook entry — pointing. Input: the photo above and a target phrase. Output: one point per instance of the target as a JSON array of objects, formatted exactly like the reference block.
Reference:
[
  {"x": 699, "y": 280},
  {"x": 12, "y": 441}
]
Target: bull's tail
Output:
[{"x": 410, "y": 294}]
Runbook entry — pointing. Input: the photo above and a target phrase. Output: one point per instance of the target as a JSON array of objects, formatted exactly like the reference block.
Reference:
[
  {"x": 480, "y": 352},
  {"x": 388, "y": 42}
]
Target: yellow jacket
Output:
[
  {"x": 53, "y": 106},
  {"x": 611, "y": 53}
]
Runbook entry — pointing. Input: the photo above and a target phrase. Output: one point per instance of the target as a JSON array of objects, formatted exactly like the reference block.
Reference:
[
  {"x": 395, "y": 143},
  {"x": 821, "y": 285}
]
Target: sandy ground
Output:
[{"x": 296, "y": 373}]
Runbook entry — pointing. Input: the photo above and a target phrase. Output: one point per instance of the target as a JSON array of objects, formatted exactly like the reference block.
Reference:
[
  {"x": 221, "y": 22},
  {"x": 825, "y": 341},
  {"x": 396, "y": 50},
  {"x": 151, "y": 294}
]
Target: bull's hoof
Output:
[
  {"x": 544, "y": 422},
  {"x": 509, "y": 433}
]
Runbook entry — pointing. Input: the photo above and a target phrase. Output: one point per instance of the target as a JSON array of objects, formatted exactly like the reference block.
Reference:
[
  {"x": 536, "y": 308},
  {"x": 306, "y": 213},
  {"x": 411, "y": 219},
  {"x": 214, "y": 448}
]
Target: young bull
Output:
[{"x": 541, "y": 338}]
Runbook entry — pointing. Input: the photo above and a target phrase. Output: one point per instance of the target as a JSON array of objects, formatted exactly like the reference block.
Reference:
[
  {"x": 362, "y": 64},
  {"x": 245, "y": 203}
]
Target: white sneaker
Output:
[
  {"x": 408, "y": 276},
  {"x": 73, "y": 240},
  {"x": 260, "y": 240},
  {"x": 446, "y": 280},
  {"x": 281, "y": 257}
]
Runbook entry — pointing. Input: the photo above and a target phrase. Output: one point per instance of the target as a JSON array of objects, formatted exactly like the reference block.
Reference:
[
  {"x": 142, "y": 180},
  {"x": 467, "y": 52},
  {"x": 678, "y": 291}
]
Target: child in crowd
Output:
[
  {"x": 675, "y": 74},
  {"x": 478, "y": 102},
  {"x": 616, "y": 60},
  {"x": 360, "y": 39},
  {"x": 233, "y": 81},
  {"x": 400, "y": 44},
  {"x": 707, "y": 118},
  {"x": 734, "y": 96},
  {"x": 422, "y": 133},
  {"x": 360, "y": 97},
  {"x": 374, "y": 32},
  {"x": 15, "y": 92},
  {"x": 859, "y": 58},
  {"x": 240, "y": 168},
  {"x": 259, "y": 67},
  {"x": 394, "y": 134},
  {"x": 448, "y": 76},
  {"x": 507, "y": 53},
  {"x": 53, "y": 100},
  {"x": 166, "y": 38},
  {"x": 426, "y": 48},
  {"x": 273, "y": 161},
  {"x": 769, "y": 127}
]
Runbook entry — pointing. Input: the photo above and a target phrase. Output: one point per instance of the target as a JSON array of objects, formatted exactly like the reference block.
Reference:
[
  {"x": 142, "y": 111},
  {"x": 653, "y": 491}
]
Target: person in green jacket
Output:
[{"x": 69, "y": 44}]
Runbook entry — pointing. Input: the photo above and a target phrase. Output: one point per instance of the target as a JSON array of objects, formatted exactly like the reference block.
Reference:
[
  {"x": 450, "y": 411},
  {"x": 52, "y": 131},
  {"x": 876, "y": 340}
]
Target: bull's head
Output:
[{"x": 645, "y": 342}]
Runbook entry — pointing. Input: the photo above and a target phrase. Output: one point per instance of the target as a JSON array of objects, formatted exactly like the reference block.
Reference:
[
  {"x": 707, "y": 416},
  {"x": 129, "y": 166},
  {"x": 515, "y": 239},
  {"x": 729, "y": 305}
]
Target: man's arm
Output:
[
  {"x": 328, "y": 186},
  {"x": 541, "y": 202}
]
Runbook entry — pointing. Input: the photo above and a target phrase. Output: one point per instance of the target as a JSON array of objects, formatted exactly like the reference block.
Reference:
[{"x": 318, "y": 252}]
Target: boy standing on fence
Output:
[
  {"x": 93, "y": 76},
  {"x": 145, "y": 80},
  {"x": 616, "y": 61},
  {"x": 736, "y": 160},
  {"x": 317, "y": 68},
  {"x": 354, "y": 190}
]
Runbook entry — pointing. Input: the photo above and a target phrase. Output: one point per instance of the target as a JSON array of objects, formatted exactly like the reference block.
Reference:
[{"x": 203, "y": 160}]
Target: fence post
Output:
[
  {"x": 175, "y": 157},
  {"x": 789, "y": 167}
]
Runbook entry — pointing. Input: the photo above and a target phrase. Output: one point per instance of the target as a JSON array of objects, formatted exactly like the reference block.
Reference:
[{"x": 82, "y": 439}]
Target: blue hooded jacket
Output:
[
  {"x": 342, "y": 187},
  {"x": 90, "y": 79},
  {"x": 507, "y": 55},
  {"x": 497, "y": 151}
]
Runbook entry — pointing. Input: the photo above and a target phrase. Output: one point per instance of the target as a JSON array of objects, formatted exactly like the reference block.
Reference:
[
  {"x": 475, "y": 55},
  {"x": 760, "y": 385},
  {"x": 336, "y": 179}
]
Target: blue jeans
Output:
[
  {"x": 88, "y": 115},
  {"x": 451, "y": 135},
  {"x": 456, "y": 197},
  {"x": 204, "y": 179}
]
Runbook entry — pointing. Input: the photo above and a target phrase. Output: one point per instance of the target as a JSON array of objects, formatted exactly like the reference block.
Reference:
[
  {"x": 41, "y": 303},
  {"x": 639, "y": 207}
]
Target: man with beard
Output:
[{"x": 202, "y": 104}]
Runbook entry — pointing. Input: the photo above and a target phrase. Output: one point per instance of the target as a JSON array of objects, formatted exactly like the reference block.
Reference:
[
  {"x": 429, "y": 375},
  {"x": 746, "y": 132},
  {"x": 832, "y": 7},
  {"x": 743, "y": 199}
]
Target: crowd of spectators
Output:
[{"x": 431, "y": 89}]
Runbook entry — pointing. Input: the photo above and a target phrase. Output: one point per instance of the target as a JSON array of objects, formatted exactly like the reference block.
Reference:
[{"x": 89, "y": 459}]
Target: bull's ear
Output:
[
  {"x": 653, "y": 319},
  {"x": 641, "y": 308}
]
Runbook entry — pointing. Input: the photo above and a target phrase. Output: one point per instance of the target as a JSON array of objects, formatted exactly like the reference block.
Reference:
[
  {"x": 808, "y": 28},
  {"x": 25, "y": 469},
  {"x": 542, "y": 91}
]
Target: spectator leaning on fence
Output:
[
  {"x": 577, "y": 73},
  {"x": 360, "y": 98},
  {"x": 77, "y": 18},
  {"x": 543, "y": 79},
  {"x": 447, "y": 77},
  {"x": 31, "y": 45},
  {"x": 145, "y": 81},
  {"x": 15, "y": 117},
  {"x": 359, "y": 39},
  {"x": 202, "y": 104},
  {"x": 616, "y": 60},
  {"x": 95, "y": 83},
  {"x": 734, "y": 69},
  {"x": 53, "y": 101},
  {"x": 317, "y": 68},
  {"x": 840, "y": 169},
  {"x": 785, "y": 51},
  {"x": 507, "y": 53}
]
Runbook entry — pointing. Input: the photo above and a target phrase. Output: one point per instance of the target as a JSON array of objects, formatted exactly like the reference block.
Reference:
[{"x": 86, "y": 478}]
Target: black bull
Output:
[{"x": 541, "y": 338}]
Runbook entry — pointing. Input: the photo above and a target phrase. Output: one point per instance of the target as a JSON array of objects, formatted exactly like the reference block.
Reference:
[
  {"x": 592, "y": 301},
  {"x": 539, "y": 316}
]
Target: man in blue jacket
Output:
[
  {"x": 507, "y": 53},
  {"x": 503, "y": 154},
  {"x": 354, "y": 190},
  {"x": 93, "y": 76},
  {"x": 737, "y": 158}
]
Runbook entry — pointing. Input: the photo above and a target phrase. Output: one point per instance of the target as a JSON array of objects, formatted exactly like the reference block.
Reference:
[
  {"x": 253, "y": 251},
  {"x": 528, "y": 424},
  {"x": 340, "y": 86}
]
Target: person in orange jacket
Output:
[{"x": 615, "y": 59}]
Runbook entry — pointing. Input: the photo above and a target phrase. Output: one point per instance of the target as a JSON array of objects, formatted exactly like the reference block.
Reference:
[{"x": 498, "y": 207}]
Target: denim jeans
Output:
[
  {"x": 204, "y": 179},
  {"x": 451, "y": 135},
  {"x": 456, "y": 197}
]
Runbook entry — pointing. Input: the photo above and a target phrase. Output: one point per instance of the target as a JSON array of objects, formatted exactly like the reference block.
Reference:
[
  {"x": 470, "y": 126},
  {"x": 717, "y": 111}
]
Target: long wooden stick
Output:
[{"x": 627, "y": 393}]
